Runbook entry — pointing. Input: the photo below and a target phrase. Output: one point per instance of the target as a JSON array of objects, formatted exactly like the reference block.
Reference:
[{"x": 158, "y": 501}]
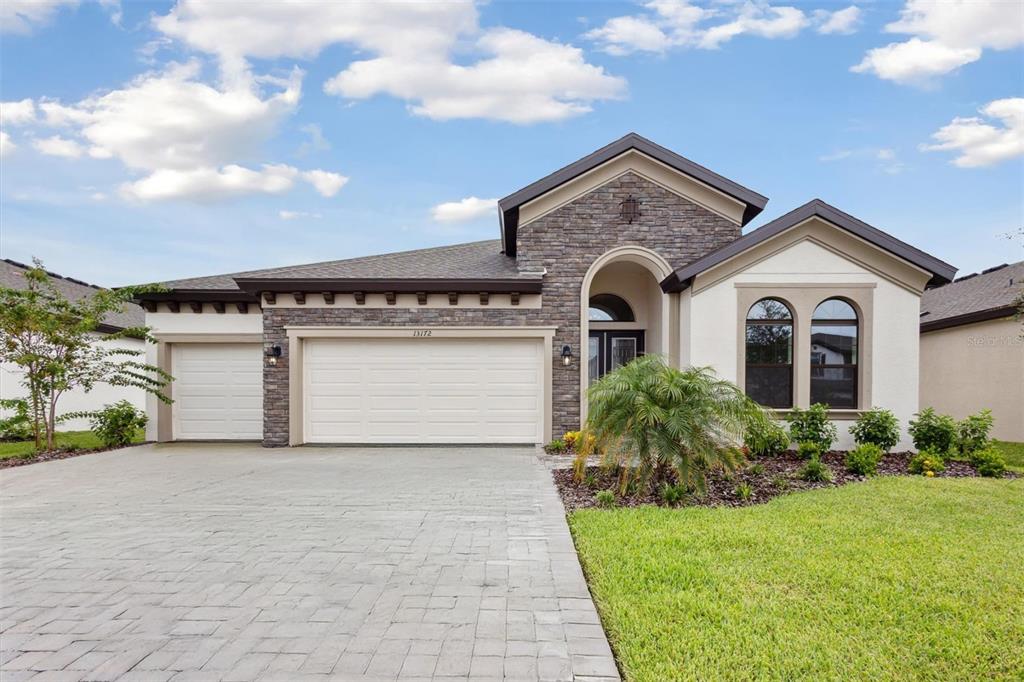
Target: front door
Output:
[{"x": 609, "y": 350}]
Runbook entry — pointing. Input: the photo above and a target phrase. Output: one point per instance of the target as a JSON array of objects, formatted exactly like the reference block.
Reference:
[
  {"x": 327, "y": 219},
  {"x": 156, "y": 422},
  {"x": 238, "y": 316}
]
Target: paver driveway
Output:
[{"x": 231, "y": 562}]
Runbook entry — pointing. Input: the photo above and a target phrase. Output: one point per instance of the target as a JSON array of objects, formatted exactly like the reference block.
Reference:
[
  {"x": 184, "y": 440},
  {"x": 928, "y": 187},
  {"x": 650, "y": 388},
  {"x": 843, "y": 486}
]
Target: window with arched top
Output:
[
  {"x": 769, "y": 353},
  {"x": 610, "y": 308},
  {"x": 834, "y": 332}
]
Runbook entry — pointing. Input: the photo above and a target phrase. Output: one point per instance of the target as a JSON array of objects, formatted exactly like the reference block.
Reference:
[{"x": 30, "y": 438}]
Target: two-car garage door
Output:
[{"x": 423, "y": 390}]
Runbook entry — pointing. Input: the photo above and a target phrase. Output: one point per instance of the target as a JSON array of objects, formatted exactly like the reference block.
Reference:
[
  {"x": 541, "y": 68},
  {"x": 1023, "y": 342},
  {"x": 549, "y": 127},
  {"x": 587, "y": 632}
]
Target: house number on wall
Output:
[{"x": 421, "y": 332}]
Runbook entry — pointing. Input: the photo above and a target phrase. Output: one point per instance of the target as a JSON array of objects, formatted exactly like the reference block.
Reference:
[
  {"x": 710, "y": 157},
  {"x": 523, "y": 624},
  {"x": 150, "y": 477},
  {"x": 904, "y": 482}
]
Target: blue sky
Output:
[{"x": 151, "y": 141}]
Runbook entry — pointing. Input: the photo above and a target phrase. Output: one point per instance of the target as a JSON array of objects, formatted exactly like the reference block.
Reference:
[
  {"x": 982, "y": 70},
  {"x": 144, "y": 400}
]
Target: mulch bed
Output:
[
  {"x": 778, "y": 477},
  {"x": 49, "y": 455}
]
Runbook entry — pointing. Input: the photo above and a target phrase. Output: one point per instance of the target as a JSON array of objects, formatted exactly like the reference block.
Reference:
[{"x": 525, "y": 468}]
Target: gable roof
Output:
[
  {"x": 12, "y": 276},
  {"x": 941, "y": 271},
  {"x": 973, "y": 298},
  {"x": 509, "y": 206},
  {"x": 470, "y": 263}
]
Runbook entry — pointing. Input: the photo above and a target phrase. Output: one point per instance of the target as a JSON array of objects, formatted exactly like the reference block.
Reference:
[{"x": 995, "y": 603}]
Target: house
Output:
[
  {"x": 970, "y": 325},
  {"x": 631, "y": 249},
  {"x": 12, "y": 277}
]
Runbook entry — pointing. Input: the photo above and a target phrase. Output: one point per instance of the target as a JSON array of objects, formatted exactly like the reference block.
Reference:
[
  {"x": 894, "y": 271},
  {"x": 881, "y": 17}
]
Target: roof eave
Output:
[
  {"x": 969, "y": 318},
  {"x": 255, "y": 286}
]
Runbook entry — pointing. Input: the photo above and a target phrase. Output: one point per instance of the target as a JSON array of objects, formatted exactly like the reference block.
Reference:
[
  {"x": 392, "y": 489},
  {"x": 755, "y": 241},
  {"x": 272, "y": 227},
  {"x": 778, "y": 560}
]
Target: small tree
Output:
[
  {"x": 648, "y": 417},
  {"x": 53, "y": 341}
]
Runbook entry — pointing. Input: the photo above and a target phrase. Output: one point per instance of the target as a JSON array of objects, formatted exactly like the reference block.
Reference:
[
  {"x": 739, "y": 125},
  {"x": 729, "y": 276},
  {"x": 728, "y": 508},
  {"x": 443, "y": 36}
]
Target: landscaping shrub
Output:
[
  {"x": 863, "y": 459},
  {"x": 780, "y": 482},
  {"x": 115, "y": 425},
  {"x": 927, "y": 463},
  {"x": 933, "y": 431},
  {"x": 808, "y": 450},
  {"x": 557, "y": 445},
  {"x": 878, "y": 427},
  {"x": 972, "y": 432},
  {"x": 570, "y": 439},
  {"x": 19, "y": 425},
  {"x": 989, "y": 462},
  {"x": 815, "y": 471},
  {"x": 766, "y": 439},
  {"x": 605, "y": 499},
  {"x": 744, "y": 491},
  {"x": 812, "y": 425},
  {"x": 756, "y": 469},
  {"x": 590, "y": 480},
  {"x": 672, "y": 494}
]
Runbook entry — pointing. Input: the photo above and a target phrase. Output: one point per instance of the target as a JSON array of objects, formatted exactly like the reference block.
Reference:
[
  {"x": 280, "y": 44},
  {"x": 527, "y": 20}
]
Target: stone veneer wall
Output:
[{"x": 565, "y": 242}]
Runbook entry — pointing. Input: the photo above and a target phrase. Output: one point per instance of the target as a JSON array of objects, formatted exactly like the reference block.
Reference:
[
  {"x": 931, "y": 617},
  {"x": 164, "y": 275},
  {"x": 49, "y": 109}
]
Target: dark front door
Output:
[{"x": 610, "y": 350}]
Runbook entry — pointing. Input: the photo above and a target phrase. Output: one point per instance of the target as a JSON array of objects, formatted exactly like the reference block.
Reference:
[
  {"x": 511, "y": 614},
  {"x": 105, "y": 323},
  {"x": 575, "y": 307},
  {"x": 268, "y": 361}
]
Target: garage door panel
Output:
[
  {"x": 423, "y": 390},
  {"x": 217, "y": 391}
]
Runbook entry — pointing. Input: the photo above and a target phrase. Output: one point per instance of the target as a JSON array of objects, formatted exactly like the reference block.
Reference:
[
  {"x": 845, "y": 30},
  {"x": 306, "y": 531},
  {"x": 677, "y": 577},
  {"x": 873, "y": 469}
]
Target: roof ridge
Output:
[{"x": 50, "y": 273}]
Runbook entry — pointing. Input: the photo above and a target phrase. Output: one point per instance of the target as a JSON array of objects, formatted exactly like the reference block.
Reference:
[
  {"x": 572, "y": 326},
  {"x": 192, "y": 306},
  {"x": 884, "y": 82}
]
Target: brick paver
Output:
[{"x": 233, "y": 562}]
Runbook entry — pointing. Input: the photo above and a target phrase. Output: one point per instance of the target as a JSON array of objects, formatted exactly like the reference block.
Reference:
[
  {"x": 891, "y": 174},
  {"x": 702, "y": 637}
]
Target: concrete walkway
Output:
[{"x": 232, "y": 562}]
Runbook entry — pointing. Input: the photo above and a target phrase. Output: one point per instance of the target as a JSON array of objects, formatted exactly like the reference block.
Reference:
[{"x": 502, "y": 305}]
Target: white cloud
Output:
[
  {"x": 843, "y": 21},
  {"x": 21, "y": 16},
  {"x": 915, "y": 61},
  {"x": 464, "y": 210},
  {"x": 296, "y": 215},
  {"x": 883, "y": 159},
  {"x": 326, "y": 183},
  {"x": 500, "y": 74},
  {"x": 17, "y": 113},
  {"x": 188, "y": 138},
  {"x": 670, "y": 24},
  {"x": 980, "y": 143},
  {"x": 946, "y": 36},
  {"x": 6, "y": 145},
  {"x": 59, "y": 146}
]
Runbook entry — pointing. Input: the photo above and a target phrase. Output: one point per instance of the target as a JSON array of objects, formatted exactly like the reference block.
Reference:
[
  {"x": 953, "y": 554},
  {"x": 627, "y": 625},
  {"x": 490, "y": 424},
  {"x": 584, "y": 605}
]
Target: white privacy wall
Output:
[
  {"x": 206, "y": 322},
  {"x": 709, "y": 332},
  {"x": 78, "y": 400}
]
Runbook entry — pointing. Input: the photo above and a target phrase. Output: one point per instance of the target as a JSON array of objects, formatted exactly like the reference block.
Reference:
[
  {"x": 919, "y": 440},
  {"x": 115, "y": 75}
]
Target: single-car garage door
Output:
[
  {"x": 217, "y": 391},
  {"x": 423, "y": 390}
]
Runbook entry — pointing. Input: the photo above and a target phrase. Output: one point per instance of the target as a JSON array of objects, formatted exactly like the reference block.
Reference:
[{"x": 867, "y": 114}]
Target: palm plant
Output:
[{"x": 647, "y": 417}]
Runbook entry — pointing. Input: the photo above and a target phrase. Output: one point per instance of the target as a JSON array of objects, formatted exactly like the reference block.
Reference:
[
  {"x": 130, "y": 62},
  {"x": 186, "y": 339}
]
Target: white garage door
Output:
[
  {"x": 436, "y": 390},
  {"x": 217, "y": 391}
]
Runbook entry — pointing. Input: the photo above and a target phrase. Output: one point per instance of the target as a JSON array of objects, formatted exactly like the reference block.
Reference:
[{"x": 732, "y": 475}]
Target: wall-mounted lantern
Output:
[
  {"x": 629, "y": 209},
  {"x": 566, "y": 355},
  {"x": 273, "y": 353}
]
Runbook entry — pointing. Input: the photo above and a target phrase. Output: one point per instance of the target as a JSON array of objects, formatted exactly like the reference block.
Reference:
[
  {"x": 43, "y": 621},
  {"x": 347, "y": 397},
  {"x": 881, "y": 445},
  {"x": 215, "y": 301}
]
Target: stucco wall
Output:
[
  {"x": 966, "y": 369},
  {"x": 79, "y": 400},
  {"x": 712, "y": 335}
]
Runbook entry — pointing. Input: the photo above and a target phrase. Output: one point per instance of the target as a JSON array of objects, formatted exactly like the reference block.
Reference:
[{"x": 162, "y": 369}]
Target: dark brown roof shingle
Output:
[
  {"x": 973, "y": 295},
  {"x": 12, "y": 276}
]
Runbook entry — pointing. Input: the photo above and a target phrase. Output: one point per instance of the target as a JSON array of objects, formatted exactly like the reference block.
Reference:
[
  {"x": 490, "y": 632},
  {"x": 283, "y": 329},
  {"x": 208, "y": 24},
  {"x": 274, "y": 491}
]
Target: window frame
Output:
[
  {"x": 617, "y": 301},
  {"x": 854, "y": 366},
  {"x": 747, "y": 365}
]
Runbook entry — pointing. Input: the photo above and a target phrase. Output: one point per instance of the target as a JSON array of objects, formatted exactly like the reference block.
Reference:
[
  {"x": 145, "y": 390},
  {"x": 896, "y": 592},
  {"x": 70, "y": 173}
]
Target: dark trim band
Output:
[
  {"x": 255, "y": 286},
  {"x": 969, "y": 318}
]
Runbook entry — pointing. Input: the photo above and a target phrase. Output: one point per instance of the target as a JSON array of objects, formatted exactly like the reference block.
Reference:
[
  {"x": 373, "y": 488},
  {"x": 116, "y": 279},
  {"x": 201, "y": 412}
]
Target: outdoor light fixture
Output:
[
  {"x": 630, "y": 209},
  {"x": 273, "y": 353},
  {"x": 566, "y": 355}
]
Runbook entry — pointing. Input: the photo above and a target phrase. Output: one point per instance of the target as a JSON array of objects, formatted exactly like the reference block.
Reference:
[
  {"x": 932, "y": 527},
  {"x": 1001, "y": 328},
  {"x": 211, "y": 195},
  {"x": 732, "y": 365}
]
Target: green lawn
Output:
[
  {"x": 898, "y": 578},
  {"x": 85, "y": 440},
  {"x": 1014, "y": 454}
]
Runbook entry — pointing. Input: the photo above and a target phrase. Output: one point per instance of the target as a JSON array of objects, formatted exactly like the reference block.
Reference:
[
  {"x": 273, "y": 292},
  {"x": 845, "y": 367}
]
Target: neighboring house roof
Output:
[
  {"x": 973, "y": 298},
  {"x": 12, "y": 276},
  {"x": 509, "y": 206},
  {"x": 836, "y": 342},
  {"x": 941, "y": 271},
  {"x": 446, "y": 266}
]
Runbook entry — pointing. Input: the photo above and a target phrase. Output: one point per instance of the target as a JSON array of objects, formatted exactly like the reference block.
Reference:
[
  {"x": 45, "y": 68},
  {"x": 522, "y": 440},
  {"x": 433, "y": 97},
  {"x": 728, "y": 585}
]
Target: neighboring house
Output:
[
  {"x": 972, "y": 348},
  {"x": 632, "y": 249},
  {"x": 12, "y": 277}
]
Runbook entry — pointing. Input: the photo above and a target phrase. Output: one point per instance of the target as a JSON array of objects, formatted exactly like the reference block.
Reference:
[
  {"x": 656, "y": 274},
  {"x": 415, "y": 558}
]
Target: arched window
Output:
[
  {"x": 769, "y": 353},
  {"x": 610, "y": 308},
  {"x": 834, "y": 354}
]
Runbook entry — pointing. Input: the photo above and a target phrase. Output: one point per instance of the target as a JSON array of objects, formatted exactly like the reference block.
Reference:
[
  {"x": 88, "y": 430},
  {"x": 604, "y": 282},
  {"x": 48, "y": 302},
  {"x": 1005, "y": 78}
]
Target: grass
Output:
[
  {"x": 897, "y": 578},
  {"x": 1014, "y": 454},
  {"x": 82, "y": 440}
]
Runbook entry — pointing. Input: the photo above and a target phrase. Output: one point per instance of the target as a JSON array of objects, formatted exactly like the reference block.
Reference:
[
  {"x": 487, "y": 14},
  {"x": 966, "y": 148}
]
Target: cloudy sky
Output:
[{"x": 150, "y": 140}]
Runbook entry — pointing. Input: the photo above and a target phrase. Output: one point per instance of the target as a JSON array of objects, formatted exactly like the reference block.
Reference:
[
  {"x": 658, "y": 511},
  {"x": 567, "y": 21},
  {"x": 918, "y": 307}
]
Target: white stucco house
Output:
[
  {"x": 631, "y": 249},
  {"x": 12, "y": 277}
]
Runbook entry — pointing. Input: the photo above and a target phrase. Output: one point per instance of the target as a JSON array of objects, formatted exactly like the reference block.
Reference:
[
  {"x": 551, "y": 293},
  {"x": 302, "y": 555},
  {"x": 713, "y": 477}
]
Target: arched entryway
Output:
[{"x": 624, "y": 312}]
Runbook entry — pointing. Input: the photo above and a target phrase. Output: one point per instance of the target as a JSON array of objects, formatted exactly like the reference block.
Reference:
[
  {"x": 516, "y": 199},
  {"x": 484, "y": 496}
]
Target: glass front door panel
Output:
[
  {"x": 594, "y": 358},
  {"x": 623, "y": 350}
]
